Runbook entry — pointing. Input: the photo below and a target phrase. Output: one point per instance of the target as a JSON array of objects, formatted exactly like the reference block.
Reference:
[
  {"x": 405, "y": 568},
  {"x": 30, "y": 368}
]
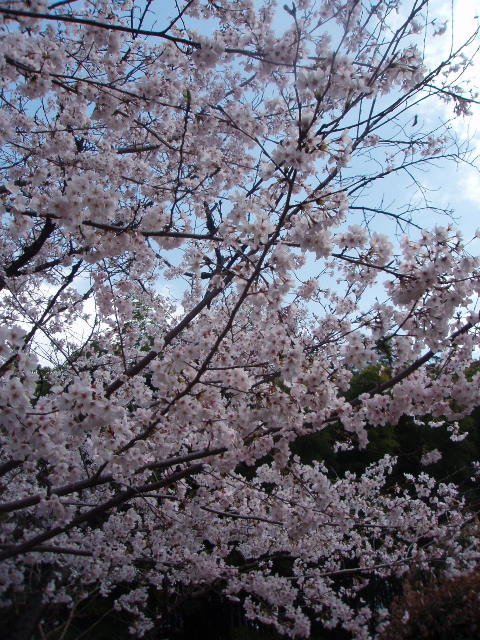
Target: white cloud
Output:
[
  {"x": 469, "y": 185},
  {"x": 462, "y": 24},
  {"x": 46, "y": 346}
]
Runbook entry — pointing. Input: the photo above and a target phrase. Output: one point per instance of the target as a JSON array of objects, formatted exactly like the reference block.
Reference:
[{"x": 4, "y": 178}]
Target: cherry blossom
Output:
[{"x": 197, "y": 186}]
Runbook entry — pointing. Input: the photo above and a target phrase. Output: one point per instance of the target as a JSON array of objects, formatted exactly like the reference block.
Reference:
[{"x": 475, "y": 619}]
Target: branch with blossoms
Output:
[{"x": 199, "y": 251}]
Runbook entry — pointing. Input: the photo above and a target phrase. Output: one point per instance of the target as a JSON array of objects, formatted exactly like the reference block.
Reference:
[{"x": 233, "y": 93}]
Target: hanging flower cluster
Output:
[{"x": 192, "y": 267}]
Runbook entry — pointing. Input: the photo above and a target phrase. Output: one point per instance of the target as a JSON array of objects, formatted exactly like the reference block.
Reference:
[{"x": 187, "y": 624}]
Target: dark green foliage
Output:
[
  {"x": 406, "y": 440},
  {"x": 43, "y": 384},
  {"x": 190, "y": 617}
]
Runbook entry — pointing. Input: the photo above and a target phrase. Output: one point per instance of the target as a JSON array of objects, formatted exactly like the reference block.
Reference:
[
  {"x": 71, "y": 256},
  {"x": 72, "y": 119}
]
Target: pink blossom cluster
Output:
[{"x": 191, "y": 273}]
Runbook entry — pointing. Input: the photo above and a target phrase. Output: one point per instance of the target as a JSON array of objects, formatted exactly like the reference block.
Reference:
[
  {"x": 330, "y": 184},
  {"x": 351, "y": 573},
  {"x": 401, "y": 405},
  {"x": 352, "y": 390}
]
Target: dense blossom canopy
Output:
[{"x": 200, "y": 184}]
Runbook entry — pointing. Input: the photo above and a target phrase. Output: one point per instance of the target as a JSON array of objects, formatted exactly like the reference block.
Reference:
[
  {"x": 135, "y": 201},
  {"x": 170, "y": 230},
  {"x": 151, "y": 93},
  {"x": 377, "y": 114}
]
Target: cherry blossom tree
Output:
[{"x": 207, "y": 187}]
